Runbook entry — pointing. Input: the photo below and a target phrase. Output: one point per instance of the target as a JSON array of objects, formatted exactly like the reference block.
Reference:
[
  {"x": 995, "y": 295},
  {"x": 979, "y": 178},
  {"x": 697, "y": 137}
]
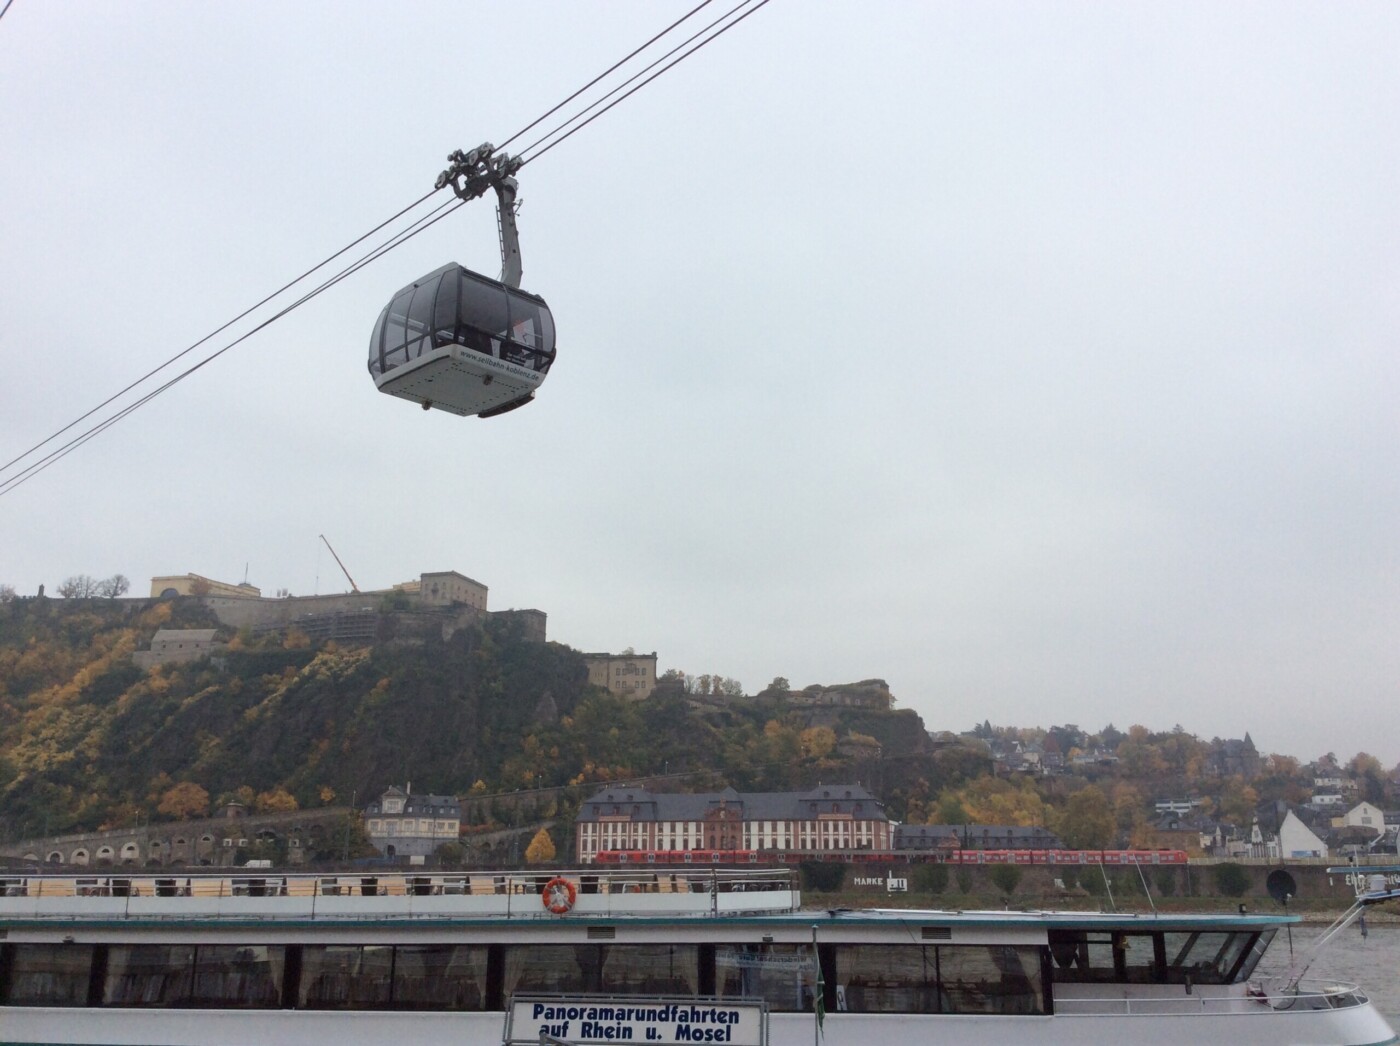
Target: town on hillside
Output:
[{"x": 553, "y": 772}]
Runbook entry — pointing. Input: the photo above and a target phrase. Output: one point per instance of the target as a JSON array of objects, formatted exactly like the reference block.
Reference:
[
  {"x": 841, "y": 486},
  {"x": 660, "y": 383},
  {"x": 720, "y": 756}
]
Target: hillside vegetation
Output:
[{"x": 88, "y": 740}]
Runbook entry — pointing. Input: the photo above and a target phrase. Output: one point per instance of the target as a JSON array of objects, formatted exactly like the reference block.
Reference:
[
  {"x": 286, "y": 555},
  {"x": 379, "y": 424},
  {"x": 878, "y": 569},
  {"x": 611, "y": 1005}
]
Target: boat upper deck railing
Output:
[
  {"x": 1210, "y": 1000},
  {"x": 265, "y": 893}
]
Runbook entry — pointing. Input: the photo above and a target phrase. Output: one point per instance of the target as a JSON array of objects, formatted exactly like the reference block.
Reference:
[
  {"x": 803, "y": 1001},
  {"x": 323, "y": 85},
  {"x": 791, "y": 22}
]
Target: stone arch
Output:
[
  {"x": 54, "y": 857},
  {"x": 31, "y": 857},
  {"x": 131, "y": 853},
  {"x": 105, "y": 855},
  {"x": 80, "y": 856}
]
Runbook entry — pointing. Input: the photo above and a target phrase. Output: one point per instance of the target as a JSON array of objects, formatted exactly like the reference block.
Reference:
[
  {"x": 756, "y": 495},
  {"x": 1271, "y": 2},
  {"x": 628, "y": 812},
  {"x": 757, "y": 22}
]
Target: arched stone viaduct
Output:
[{"x": 210, "y": 842}]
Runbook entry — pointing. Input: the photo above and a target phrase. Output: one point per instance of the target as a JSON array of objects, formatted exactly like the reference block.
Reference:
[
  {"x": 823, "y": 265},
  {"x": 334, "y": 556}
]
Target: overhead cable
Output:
[{"x": 649, "y": 79}]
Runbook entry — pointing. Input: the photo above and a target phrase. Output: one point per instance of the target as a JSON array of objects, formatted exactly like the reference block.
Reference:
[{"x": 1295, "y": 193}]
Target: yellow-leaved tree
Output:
[
  {"x": 541, "y": 849},
  {"x": 184, "y": 801}
]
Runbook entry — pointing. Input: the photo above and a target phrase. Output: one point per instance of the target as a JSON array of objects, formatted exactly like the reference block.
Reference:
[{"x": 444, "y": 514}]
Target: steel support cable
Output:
[
  {"x": 708, "y": 40},
  {"x": 399, "y": 238},
  {"x": 605, "y": 72},
  {"x": 641, "y": 72},
  {"x": 214, "y": 333}
]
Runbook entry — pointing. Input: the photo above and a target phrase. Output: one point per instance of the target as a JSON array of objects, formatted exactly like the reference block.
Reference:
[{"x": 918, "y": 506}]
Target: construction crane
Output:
[{"x": 353, "y": 587}]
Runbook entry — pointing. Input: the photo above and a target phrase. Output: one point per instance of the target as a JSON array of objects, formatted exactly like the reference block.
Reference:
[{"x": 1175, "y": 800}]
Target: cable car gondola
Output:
[{"x": 460, "y": 341}]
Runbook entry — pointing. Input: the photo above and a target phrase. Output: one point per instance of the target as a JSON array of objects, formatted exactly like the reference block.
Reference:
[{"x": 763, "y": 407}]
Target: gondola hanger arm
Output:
[{"x": 470, "y": 175}]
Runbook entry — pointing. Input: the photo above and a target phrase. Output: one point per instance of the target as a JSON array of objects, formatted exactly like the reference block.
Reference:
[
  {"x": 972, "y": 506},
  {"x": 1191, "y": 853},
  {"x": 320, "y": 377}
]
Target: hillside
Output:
[{"x": 87, "y": 739}]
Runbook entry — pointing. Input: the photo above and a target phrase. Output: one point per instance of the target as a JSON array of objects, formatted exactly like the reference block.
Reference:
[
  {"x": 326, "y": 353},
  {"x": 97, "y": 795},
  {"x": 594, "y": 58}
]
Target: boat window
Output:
[
  {"x": 440, "y": 977},
  {"x": 1079, "y": 956},
  {"x": 233, "y": 976},
  {"x": 617, "y": 969},
  {"x": 148, "y": 974},
  {"x": 997, "y": 979},
  {"x": 784, "y": 975},
  {"x": 650, "y": 969},
  {"x": 1256, "y": 951},
  {"x": 874, "y": 978},
  {"x": 991, "y": 979},
  {"x": 347, "y": 977},
  {"x": 1207, "y": 958},
  {"x": 549, "y": 968},
  {"x": 48, "y": 975}
]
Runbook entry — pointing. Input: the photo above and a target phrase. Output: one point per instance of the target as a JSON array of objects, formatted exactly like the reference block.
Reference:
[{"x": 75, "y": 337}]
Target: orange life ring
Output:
[{"x": 559, "y": 895}]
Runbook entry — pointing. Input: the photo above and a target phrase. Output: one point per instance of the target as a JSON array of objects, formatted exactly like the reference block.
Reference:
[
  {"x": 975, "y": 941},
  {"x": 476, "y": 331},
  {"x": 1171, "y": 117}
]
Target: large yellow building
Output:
[
  {"x": 626, "y": 675},
  {"x": 195, "y": 585}
]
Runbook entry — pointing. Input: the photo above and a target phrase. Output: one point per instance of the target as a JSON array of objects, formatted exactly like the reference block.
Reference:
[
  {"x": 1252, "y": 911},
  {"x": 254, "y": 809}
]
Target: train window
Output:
[
  {"x": 48, "y": 975},
  {"x": 784, "y": 975}
]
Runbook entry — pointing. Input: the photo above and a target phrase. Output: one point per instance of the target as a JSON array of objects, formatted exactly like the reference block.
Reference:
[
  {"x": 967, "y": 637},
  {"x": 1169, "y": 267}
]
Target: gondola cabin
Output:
[{"x": 463, "y": 343}]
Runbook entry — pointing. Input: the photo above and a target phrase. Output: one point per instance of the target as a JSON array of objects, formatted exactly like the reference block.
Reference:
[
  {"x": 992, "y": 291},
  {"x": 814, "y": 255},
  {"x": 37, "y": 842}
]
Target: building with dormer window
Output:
[
  {"x": 827, "y": 818},
  {"x": 401, "y": 824}
]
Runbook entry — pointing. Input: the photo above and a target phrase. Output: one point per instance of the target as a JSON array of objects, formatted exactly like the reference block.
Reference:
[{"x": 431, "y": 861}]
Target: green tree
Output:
[
  {"x": 1231, "y": 879},
  {"x": 1087, "y": 820},
  {"x": 930, "y": 878},
  {"x": 1005, "y": 877}
]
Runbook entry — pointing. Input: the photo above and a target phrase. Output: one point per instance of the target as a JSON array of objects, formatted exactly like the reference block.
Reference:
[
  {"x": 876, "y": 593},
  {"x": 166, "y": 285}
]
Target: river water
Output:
[{"x": 1372, "y": 961}]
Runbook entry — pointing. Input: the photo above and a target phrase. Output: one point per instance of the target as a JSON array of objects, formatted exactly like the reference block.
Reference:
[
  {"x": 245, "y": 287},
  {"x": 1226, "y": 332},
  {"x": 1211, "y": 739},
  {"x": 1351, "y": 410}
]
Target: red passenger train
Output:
[{"x": 747, "y": 857}]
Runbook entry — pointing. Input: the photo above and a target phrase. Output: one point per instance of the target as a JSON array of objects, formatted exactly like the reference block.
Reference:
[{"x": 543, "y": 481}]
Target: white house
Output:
[
  {"x": 1298, "y": 840},
  {"x": 1364, "y": 815}
]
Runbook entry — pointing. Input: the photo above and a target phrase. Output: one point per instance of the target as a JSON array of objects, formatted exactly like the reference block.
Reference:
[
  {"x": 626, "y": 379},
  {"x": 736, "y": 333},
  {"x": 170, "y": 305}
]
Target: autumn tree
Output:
[
  {"x": 183, "y": 801},
  {"x": 541, "y": 849},
  {"x": 7, "y": 593},
  {"x": 276, "y": 801},
  {"x": 1086, "y": 822},
  {"x": 818, "y": 741}
]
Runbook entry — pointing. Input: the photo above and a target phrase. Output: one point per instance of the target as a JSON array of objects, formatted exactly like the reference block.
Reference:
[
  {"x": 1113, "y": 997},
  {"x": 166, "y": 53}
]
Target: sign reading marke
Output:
[{"x": 595, "y": 1019}]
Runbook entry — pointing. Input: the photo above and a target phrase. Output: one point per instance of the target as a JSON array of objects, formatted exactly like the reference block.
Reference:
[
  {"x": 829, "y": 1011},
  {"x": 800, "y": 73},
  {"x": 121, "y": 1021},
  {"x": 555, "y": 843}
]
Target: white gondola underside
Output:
[{"x": 459, "y": 380}]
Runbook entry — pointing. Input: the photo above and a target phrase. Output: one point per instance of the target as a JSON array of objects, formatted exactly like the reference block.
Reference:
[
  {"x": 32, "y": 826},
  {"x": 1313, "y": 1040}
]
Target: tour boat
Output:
[{"x": 621, "y": 955}]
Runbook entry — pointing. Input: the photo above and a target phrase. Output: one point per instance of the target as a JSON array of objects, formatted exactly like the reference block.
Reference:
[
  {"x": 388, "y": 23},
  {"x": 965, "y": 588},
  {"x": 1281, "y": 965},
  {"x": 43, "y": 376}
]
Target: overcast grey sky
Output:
[{"x": 1037, "y": 358}]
